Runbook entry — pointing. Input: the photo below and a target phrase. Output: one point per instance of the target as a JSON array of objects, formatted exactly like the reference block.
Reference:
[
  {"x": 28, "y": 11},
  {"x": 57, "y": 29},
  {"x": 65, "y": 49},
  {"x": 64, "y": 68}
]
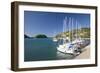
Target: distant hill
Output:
[
  {"x": 41, "y": 36},
  {"x": 26, "y": 36},
  {"x": 83, "y": 33}
]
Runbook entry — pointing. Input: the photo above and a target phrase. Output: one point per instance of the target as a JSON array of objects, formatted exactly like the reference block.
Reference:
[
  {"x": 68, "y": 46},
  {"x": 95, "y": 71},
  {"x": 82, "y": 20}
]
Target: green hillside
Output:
[{"x": 83, "y": 33}]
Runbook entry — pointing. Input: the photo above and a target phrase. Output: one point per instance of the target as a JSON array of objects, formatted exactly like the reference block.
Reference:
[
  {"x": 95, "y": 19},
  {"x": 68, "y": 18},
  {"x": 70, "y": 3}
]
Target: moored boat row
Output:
[{"x": 73, "y": 46}]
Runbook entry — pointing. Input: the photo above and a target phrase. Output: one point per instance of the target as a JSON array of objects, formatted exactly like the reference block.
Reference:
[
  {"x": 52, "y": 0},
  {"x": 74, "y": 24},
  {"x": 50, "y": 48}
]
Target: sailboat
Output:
[{"x": 70, "y": 47}]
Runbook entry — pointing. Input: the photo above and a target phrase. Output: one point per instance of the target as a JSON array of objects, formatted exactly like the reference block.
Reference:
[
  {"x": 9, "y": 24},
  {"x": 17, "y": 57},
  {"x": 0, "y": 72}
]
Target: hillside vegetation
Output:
[{"x": 83, "y": 33}]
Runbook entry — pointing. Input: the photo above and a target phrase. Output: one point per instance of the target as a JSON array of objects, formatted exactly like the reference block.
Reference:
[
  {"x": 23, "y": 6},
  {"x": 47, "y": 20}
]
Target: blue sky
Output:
[{"x": 49, "y": 23}]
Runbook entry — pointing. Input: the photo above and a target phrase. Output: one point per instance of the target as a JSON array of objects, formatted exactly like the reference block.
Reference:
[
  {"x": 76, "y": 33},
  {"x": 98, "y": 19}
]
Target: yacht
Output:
[{"x": 71, "y": 47}]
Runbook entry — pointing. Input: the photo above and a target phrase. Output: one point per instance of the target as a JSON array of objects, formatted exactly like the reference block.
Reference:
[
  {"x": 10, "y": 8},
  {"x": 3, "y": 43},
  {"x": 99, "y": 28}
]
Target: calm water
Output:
[{"x": 42, "y": 49}]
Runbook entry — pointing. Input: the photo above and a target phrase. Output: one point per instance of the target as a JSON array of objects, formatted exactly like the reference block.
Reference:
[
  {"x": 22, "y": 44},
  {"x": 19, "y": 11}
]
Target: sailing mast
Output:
[
  {"x": 79, "y": 27},
  {"x": 64, "y": 29},
  {"x": 81, "y": 31},
  {"x": 76, "y": 30},
  {"x": 71, "y": 28}
]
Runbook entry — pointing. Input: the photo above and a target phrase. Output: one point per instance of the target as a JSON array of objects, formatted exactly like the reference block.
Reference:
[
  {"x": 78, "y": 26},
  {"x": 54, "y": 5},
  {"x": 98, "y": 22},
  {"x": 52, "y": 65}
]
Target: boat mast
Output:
[
  {"x": 71, "y": 29},
  {"x": 64, "y": 29},
  {"x": 76, "y": 30},
  {"x": 69, "y": 24},
  {"x": 80, "y": 30},
  {"x": 79, "y": 27}
]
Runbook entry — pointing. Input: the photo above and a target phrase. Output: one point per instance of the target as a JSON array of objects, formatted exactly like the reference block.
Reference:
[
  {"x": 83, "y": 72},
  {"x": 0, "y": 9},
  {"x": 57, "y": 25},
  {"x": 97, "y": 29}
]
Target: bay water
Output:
[{"x": 39, "y": 49}]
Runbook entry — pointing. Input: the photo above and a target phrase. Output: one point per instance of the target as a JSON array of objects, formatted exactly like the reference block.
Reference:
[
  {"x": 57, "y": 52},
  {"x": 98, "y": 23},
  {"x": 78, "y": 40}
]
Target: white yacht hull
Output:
[{"x": 65, "y": 49}]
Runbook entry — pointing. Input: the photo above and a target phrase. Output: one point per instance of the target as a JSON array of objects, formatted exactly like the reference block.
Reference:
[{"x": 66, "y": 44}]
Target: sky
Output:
[{"x": 51, "y": 23}]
